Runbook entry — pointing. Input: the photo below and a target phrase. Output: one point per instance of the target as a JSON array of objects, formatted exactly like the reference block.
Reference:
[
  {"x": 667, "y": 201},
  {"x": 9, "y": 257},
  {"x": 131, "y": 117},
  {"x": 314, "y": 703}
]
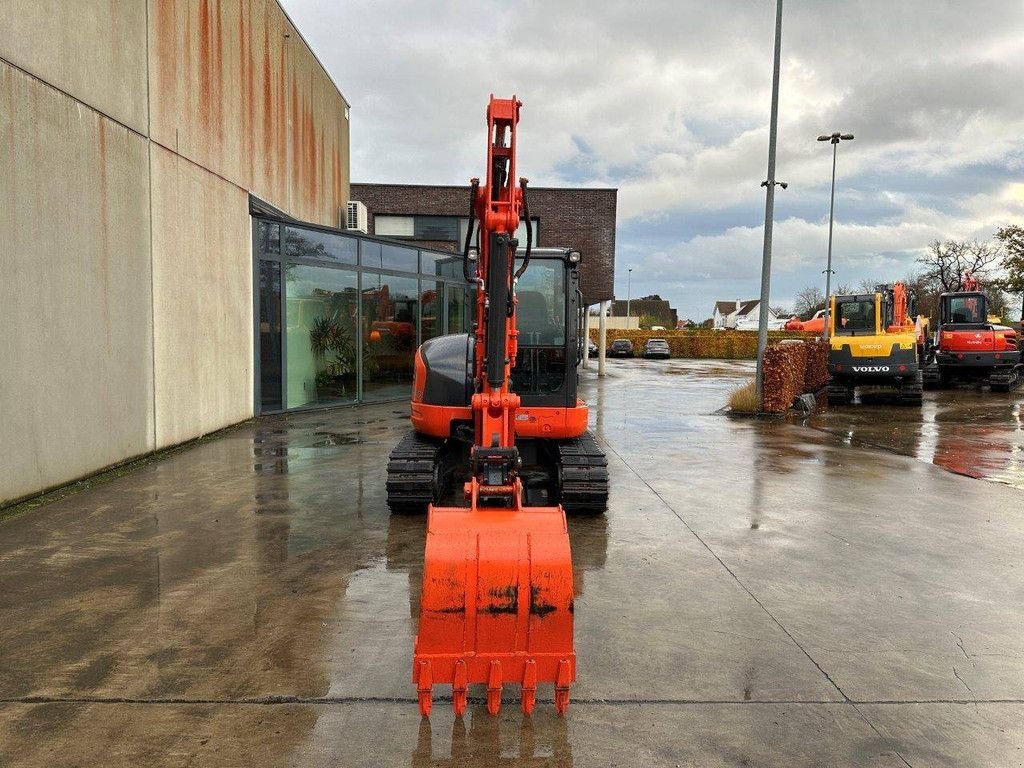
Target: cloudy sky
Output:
[{"x": 669, "y": 102}]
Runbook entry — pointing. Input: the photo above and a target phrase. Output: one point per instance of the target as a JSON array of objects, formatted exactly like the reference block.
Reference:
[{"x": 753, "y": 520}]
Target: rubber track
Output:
[
  {"x": 411, "y": 483},
  {"x": 1006, "y": 380},
  {"x": 931, "y": 376},
  {"x": 838, "y": 395},
  {"x": 583, "y": 476}
]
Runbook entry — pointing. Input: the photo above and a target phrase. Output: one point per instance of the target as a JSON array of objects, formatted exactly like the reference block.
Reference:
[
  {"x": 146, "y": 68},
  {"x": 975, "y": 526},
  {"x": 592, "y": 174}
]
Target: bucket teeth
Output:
[
  {"x": 460, "y": 687},
  {"x": 529, "y": 687},
  {"x": 562, "y": 682},
  {"x": 494, "y": 688},
  {"x": 424, "y": 685}
]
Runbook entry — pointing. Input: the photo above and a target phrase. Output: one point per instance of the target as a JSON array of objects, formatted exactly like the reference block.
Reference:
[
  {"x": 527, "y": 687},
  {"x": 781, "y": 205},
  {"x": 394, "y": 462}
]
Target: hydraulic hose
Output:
[
  {"x": 529, "y": 230},
  {"x": 473, "y": 188}
]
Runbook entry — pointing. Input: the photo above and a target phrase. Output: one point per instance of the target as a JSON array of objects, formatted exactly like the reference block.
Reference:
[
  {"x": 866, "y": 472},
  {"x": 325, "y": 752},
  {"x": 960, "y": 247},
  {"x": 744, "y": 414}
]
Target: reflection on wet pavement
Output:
[
  {"x": 968, "y": 431},
  {"x": 751, "y": 597}
]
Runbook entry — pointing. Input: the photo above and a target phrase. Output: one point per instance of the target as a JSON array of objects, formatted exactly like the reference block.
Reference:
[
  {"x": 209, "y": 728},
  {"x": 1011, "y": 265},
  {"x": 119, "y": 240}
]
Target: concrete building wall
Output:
[
  {"x": 76, "y": 373},
  {"x": 132, "y": 134},
  {"x": 202, "y": 300},
  {"x": 93, "y": 50},
  {"x": 235, "y": 89}
]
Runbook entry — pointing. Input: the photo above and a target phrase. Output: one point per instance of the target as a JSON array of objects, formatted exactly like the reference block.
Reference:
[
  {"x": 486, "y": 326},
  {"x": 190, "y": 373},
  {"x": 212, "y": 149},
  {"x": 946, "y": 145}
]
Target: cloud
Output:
[{"x": 669, "y": 101}]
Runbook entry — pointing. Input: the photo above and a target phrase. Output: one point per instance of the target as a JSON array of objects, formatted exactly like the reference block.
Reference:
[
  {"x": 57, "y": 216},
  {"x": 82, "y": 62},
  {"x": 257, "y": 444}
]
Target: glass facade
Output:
[
  {"x": 323, "y": 322},
  {"x": 339, "y": 316}
]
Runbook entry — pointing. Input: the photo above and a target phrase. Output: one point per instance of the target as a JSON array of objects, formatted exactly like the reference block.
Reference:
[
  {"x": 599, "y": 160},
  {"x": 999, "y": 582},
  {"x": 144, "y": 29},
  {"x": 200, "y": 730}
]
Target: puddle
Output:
[{"x": 337, "y": 438}]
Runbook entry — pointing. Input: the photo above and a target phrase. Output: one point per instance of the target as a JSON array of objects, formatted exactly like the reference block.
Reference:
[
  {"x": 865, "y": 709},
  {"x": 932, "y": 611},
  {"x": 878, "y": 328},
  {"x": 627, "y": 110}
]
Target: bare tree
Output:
[
  {"x": 843, "y": 289},
  {"x": 946, "y": 263},
  {"x": 809, "y": 301}
]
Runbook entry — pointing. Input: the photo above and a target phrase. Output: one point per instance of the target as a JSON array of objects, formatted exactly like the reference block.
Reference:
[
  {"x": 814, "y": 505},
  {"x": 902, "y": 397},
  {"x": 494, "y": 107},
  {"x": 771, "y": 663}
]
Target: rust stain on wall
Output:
[
  {"x": 167, "y": 53},
  {"x": 296, "y": 148},
  {"x": 268, "y": 105},
  {"x": 221, "y": 98},
  {"x": 217, "y": 77},
  {"x": 205, "y": 56},
  {"x": 248, "y": 87}
]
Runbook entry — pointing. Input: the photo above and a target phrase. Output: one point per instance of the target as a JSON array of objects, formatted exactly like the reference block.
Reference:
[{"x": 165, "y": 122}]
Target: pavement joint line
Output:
[
  {"x": 729, "y": 571},
  {"x": 878, "y": 733},
  {"x": 291, "y": 700}
]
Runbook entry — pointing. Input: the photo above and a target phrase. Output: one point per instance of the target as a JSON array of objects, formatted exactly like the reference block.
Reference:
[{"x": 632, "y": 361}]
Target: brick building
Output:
[{"x": 437, "y": 217}]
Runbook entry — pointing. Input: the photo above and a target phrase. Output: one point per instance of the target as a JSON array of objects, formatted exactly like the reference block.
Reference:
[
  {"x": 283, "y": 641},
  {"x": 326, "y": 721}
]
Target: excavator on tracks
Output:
[
  {"x": 875, "y": 340},
  {"x": 971, "y": 345},
  {"x": 499, "y": 452}
]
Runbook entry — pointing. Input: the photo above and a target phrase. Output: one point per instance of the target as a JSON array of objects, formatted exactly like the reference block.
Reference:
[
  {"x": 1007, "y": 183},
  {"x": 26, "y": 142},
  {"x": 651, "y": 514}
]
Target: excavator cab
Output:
[
  {"x": 548, "y": 318},
  {"x": 969, "y": 308}
]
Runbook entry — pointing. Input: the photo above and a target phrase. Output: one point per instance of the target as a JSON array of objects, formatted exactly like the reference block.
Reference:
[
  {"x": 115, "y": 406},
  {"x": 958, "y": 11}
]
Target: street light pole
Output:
[
  {"x": 769, "y": 214},
  {"x": 629, "y": 290},
  {"x": 835, "y": 138}
]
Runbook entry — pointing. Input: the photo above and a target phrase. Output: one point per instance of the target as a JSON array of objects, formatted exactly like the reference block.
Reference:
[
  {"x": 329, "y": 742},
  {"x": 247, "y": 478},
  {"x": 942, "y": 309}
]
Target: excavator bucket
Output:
[{"x": 497, "y": 605}]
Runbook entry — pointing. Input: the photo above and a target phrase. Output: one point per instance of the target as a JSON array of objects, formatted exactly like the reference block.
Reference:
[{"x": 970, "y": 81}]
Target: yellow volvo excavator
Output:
[{"x": 876, "y": 341}]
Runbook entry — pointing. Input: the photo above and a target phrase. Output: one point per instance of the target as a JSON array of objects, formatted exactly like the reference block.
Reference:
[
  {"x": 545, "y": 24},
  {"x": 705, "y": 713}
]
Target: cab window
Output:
[
  {"x": 855, "y": 316},
  {"x": 965, "y": 309},
  {"x": 540, "y": 313}
]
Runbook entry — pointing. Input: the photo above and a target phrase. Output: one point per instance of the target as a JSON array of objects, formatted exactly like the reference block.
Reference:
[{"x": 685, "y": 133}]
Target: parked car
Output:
[
  {"x": 621, "y": 348},
  {"x": 591, "y": 349},
  {"x": 656, "y": 348}
]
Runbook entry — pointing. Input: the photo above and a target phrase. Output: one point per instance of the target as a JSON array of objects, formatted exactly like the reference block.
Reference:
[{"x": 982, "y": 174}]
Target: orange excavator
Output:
[
  {"x": 498, "y": 454},
  {"x": 971, "y": 345}
]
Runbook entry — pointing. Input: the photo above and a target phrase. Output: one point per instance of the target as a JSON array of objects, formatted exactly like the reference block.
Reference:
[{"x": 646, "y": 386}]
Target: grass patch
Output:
[{"x": 743, "y": 399}]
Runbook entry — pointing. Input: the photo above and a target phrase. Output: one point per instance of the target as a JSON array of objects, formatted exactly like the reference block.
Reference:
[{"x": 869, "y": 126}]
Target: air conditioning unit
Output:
[{"x": 355, "y": 217}]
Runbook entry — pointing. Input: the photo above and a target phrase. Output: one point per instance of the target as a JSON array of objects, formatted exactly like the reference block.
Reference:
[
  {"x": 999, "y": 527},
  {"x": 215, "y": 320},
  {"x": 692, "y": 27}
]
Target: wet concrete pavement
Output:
[{"x": 760, "y": 593}]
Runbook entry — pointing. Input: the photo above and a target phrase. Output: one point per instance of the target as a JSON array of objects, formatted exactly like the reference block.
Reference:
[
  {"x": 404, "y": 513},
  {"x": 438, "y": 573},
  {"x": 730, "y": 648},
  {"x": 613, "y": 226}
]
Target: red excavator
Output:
[
  {"x": 970, "y": 345},
  {"x": 498, "y": 454}
]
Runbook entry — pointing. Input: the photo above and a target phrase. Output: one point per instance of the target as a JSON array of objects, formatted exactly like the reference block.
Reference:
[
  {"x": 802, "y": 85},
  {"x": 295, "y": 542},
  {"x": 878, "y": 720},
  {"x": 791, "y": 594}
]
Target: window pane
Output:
[
  {"x": 270, "y": 335},
  {"x": 268, "y": 238},
  {"x": 852, "y": 316},
  {"x": 443, "y": 266},
  {"x": 322, "y": 306},
  {"x": 521, "y": 234},
  {"x": 436, "y": 228},
  {"x": 965, "y": 309},
  {"x": 313, "y": 244},
  {"x": 390, "y": 307},
  {"x": 458, "y": 321},
  {"x": 393, "y": 226},
  {"x": 540, "y": 314},
  {"x": 385, "y": 256},
  {"x": 431, "y": 309}
]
